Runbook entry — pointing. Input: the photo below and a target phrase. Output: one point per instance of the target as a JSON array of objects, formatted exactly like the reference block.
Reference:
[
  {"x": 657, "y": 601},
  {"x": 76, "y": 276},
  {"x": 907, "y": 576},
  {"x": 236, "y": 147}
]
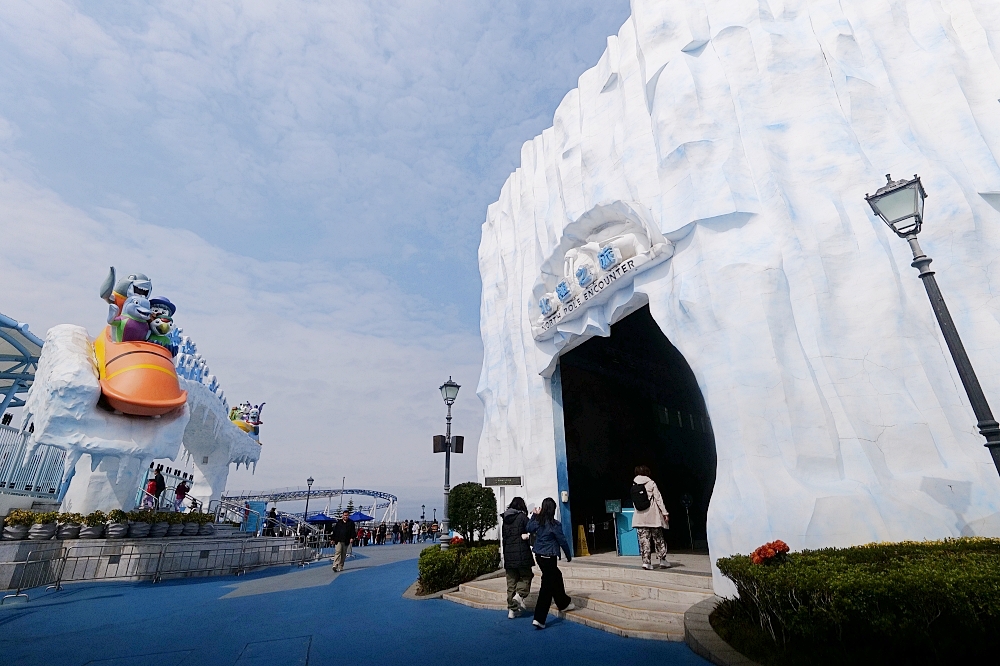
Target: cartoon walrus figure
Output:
[{"x": 135, "y": 284}]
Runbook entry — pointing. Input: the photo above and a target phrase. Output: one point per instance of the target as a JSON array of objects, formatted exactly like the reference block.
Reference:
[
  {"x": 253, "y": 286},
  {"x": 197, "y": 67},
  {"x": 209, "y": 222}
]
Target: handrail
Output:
[{"x": 240, "y": 511}]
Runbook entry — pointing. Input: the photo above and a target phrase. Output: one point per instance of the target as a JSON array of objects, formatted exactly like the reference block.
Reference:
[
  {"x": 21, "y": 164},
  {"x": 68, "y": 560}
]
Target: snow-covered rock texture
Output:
[
  {"x": 107, "y": 453},
  {"x": 750, "y": 130}
]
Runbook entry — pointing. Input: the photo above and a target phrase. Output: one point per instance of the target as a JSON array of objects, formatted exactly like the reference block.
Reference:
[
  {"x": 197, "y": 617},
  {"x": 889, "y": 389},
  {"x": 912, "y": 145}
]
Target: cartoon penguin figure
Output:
[
  {"x": 133, "y": 323},
  {"x": 161, "y": 322}
]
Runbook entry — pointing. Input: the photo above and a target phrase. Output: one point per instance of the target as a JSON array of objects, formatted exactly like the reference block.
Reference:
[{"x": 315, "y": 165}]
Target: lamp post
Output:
[
  {"x": 449, "y": 391},
  {"x": 900, "y": 204},
  {"x": 309, "y": 487},
  {"x": 422, "y": 512}
]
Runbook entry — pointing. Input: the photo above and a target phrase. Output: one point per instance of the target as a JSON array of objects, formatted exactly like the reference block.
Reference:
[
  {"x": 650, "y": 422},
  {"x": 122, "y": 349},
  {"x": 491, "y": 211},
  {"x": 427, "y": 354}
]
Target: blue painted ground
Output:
[{"x": 299, "y": 616}]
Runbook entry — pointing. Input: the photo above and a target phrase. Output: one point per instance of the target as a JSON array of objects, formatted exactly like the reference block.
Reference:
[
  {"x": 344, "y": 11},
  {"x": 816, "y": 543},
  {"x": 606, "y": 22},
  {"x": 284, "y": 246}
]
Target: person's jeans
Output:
[
  {"x": 339, "y": 553},
  {"x": 551, "y": 589},
  {"x": 518, "y": 582}
]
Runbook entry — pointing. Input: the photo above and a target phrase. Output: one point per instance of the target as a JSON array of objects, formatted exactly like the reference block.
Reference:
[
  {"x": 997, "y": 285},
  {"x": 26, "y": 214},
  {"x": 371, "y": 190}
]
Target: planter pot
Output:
[
  {"x": 15, "y": 532},
  {"x": 95, "y": 532},
  {"x": 208, "y": 529},
  {"x": 190, "y": 529},
  {"x": 40, "y": 532},
  {"x": 117, "y": 531},
  {"x": 138, "y": 530},
  {"x": 68, "y": 531},
  {"x": 175, "y": 529},
  {"x": 159, "y": 530}
]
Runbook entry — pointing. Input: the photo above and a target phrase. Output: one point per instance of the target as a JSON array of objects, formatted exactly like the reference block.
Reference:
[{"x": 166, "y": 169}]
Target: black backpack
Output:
[{"x": 640, "y": 498}]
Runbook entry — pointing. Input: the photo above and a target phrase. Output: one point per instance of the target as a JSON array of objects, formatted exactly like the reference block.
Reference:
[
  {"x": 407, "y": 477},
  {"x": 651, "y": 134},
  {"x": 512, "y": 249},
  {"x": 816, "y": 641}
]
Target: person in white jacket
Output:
[{"x": 651, "y": 521}]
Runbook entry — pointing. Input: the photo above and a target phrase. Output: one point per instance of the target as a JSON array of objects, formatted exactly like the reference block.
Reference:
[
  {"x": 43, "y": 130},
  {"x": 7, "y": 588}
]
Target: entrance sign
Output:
[
  {"x": 600, "y": 253},
  {"x": 503, "y": 481},
  {"x": 612, "y": 506}
]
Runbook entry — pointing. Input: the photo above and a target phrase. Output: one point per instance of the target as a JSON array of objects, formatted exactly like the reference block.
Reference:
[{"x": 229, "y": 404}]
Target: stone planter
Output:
[
  {"x": 15, "y": 532},
  {"x": 42, "y": 532},
  {"x": 68, "y": 531},
  {"x": 224, "y": 530},
  {"x": 138, "y": 530},
  {"x": 190, "y": 529},
  {"x": 95, "y": 532},
  {"x": 117, "y": 531},
  {"x": 175, "y": 529},
  {"x": 159, "y": 530},
  {"x": 208, "y": 529}
]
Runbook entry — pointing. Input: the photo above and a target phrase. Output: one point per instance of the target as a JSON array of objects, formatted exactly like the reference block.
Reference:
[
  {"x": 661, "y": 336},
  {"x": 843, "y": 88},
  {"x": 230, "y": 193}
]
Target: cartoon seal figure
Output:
[
  {"x": 135, "y": 284},
  {"x": 133, "y": 323},
  {"x": 161, "y": 322}
]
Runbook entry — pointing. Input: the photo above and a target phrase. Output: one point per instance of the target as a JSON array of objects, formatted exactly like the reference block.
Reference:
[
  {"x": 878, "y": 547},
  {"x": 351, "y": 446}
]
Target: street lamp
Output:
[
  {"x": 309, "y": 484},
  {"x": 900, "y": 204},
  {"x": 422, "y": 512},
  {"x": 449, "y": 391}
]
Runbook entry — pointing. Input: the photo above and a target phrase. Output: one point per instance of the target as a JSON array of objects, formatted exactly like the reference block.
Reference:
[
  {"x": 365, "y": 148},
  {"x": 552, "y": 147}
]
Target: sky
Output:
[{"x": 306, "y": 181}]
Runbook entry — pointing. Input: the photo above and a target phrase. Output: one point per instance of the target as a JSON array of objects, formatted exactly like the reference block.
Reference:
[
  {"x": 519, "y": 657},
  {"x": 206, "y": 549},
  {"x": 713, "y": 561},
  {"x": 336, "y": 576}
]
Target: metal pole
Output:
[
  {"x": 988, "y": 427},
  {"x": 343, "y": 479},
  {"x": 447, "y": 475},
  {"x": 305, "y": 514},
  {"x": 690, "y": 534}
]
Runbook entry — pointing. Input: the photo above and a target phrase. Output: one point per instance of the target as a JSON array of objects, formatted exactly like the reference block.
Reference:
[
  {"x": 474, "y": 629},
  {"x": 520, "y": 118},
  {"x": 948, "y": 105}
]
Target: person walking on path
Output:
[
  {"x": 549, "y": 538},
  {"x": 180, "y": 492},
  {"x": 516, "y": 555},
  {"x": 161, "y": 485},
  {"x": 343, "y": 532},
  {"x": 650, "y": 518}
]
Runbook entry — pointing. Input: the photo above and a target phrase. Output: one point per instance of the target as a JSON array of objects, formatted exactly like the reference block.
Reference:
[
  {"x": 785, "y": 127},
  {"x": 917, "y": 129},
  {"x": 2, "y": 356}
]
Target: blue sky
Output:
[{"x": 306, "y": 180}]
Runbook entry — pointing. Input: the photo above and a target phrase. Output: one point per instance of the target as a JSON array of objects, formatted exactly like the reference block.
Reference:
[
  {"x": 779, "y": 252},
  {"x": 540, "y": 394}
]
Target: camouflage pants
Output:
[{"x": 648, "y": 538}]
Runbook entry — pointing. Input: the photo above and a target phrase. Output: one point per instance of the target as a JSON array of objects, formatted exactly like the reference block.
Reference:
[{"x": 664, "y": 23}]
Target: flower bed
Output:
[{"x": 930, "y": 602}]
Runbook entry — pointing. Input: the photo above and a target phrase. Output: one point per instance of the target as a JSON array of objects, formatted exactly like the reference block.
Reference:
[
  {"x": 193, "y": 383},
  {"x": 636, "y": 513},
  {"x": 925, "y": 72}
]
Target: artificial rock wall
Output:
[{"x": 748, "y": 132}]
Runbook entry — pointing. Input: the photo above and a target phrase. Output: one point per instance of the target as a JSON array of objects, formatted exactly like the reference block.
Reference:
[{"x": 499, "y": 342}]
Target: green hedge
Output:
[
  {"x": 440, "y": 569},
  {"x": 918, "y": 602}
]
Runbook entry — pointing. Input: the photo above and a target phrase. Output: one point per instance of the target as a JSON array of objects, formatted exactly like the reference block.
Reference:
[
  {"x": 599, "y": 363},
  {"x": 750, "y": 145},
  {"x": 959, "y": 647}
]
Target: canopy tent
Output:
[
  {"x": 359, "y": 517},
  {"x": 321, "y": 518}
]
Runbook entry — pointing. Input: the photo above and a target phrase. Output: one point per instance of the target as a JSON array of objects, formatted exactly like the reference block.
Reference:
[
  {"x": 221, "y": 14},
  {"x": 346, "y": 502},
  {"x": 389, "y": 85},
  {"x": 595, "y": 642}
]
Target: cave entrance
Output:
[{"x": 632, "y": 399}]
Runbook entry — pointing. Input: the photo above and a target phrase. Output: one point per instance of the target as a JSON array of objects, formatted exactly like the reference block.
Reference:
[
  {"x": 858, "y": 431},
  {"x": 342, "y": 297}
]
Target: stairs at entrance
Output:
[{"x": 624, "y": 600}]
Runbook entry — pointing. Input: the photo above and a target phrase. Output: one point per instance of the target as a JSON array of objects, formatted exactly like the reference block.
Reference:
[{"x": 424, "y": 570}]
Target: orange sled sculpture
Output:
[{"x": 137, "y": 378}]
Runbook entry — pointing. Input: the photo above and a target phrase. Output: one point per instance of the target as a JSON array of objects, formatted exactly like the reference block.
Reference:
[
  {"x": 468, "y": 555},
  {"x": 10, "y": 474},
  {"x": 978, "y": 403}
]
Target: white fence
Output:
[{"x": 39, "y": 477}]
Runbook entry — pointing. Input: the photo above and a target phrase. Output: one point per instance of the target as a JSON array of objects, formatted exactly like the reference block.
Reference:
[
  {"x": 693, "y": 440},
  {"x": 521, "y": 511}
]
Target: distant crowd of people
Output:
[{"x": 407, "y": 531}]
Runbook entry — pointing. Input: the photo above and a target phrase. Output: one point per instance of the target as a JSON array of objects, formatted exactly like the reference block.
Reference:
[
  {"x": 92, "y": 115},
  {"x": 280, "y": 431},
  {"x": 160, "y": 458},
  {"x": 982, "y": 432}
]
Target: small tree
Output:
[
  {"x": 350, "y": 506},
  {"x": 472, "y": 510}
]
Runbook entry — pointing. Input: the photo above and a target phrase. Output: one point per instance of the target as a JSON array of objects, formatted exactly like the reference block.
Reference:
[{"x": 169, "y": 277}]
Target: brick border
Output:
[{"x": 702, "y": 639}]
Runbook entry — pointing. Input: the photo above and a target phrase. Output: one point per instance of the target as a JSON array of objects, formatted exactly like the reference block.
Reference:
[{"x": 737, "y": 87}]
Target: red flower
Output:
[{"x": 768, "y": 552}]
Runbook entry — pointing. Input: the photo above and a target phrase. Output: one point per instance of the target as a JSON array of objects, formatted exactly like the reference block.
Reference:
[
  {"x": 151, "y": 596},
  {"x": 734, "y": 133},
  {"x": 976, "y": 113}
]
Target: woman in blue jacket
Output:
[{"x": 549, "y": 538}]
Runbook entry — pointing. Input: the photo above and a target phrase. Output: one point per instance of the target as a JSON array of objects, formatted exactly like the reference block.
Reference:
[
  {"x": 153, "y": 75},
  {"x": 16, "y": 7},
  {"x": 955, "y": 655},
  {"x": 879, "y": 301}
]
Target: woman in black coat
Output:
[{"x": 517, "y": 560}]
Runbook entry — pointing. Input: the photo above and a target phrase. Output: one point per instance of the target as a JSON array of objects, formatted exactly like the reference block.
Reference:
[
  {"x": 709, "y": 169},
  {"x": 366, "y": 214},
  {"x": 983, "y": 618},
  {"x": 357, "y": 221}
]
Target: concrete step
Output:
[
  {"x": 495, "y": 591},
  {"x": 665, "y": 627},
  {"x": 668, "y": 577}
]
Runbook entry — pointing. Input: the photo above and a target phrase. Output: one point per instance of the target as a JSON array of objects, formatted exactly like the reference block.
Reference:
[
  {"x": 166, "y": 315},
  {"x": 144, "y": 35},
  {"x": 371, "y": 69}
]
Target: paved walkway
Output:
[{"x": 295, "y": 616}]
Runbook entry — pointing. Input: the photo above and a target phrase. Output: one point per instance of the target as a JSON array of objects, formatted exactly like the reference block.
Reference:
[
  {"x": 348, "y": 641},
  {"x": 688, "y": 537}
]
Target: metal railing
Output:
[
  {"x": 141, "y": 561},
  {"x": 241, "y": 513},
  {"x": 40, "y": 567}
]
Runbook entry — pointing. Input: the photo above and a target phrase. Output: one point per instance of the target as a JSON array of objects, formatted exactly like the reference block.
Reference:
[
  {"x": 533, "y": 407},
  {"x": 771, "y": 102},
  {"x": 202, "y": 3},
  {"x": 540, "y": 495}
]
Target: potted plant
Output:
[
  {"x": 117, "y": 524},
  {"x": 44, "y": 527},
  {"x": 191, "y": 524},
  {"x": 176, "y": 521},
  {"x": 161, "y": 524},
  {"x": 17, "y": 523},
  {"x": 68, "y": 526},
  {"x": 93, "y": 525},
  {"x": 139, "y": 523},
  {"x": 207, "y": 527}
]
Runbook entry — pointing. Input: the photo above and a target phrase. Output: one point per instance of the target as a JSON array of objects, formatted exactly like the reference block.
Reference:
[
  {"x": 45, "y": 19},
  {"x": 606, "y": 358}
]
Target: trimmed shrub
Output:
[
  {"x": 94, "y": 519},
  {"x": 472, "y": 510},
  {"x": 440, "y": 569},
  {"x": 907, "y": 602},
  {"x": 22, "y": 517}
]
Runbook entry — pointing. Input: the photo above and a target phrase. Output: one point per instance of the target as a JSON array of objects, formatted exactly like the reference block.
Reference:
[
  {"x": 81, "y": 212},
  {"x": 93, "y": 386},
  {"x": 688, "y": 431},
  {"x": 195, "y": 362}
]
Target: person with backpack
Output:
[
  {"x": 650, "y": 518},
  {"x": 549, "y": 538},
  {"x": 516, "y": 555}
]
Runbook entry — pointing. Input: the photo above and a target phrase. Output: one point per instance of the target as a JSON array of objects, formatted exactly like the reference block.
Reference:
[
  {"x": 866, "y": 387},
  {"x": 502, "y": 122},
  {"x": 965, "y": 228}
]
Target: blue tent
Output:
[
  {"x": 321, "y": 518},
  {"x": 359, "y": 517}
]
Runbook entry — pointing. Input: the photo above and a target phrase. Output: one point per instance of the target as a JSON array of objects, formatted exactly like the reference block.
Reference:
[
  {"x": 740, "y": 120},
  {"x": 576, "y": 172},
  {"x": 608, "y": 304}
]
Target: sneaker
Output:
[
  {"x": 646, "y": 566},
  {"x": 519, "y": 600},
  {"x": 512, "y": 614},
  {"x": 537, "y": 624},
  {"x": 570, "y": 607},
  {"x": 665, "y": 565}
]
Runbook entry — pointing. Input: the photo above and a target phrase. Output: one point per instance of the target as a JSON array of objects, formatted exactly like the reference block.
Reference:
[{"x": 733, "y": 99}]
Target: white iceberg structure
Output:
[
  {"x": 108, "y": 453},
  {"x": 749, "y": 133}
]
